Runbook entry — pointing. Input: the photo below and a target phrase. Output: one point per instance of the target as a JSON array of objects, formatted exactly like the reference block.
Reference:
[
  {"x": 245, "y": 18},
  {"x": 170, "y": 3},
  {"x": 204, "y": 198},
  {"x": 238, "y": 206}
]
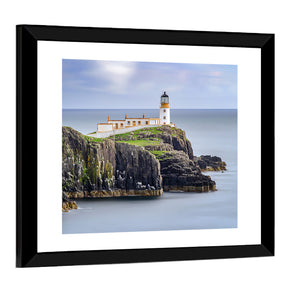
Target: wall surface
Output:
[
  {"x": 253, "y": 278},
  {"x": 120, "y": 131},
  {"x": 103, "y": 127}
]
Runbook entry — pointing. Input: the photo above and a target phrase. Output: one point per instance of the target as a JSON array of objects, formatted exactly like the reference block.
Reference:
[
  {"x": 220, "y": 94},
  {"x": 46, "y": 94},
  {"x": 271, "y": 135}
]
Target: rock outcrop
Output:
[
  {"x": 143, "y": 162},
  {"x": 68, "y": 205},
  {"x": 103, "y": 168},
  {"x": 180, "y": 169},
  {"x": 210, "y": 163},
  {"x": 136, "y": 168},
  {"x": 169, "y": 138},
  {"x": 181, "y": 173}
]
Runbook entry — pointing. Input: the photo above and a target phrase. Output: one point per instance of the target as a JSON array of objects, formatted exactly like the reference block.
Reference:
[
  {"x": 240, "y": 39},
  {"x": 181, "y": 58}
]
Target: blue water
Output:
[{"x": 211, "y": 132}]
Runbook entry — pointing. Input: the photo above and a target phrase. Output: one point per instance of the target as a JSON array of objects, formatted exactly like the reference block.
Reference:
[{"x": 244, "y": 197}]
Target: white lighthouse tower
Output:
[{"x": 164, "y": 112}]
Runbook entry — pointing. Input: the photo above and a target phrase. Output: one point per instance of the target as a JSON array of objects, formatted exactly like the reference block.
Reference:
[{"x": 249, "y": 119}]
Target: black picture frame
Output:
[{"x": 27, "y": 153}]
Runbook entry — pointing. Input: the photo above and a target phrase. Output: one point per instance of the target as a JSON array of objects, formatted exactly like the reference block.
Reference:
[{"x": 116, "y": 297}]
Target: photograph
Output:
[{"x": 148, "y": 146}]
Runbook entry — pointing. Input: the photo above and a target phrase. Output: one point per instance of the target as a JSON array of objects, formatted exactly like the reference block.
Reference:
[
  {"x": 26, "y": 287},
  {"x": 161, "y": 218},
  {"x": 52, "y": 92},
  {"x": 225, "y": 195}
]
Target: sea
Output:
[{"x": 211, "y": 132}]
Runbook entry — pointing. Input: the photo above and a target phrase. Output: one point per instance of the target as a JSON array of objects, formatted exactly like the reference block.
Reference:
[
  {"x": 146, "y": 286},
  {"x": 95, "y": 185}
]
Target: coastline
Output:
[
  {"x": 144, "y": 163},
  {"x": 213, "y": 134},
  {"x": 112, "y": 193}
]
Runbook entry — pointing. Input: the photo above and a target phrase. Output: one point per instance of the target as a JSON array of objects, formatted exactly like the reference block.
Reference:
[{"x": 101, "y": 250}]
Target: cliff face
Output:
[
  {"x": 167, "y": 138},
  {"x": 143, "y": 162},
  {"x": 181, "y": 173},
  {"x": 210, "y": 163},
  {"x": 103, "y": 168},
  {"x": 136, "y": 168},
  {"x": 180, "y": 169},
  {"x": 86, "y": 166}
]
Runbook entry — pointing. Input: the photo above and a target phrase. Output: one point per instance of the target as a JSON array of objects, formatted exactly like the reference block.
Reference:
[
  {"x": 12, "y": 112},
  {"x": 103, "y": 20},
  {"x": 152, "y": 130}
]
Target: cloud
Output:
[
  {"x": 116, "y": 75},
  {"x": 119, "y": 82}
]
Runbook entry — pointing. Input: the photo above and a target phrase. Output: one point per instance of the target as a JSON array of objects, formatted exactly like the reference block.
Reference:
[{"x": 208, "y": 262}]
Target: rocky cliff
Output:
[
  {"x": 143, "y": 162},
  {"x": 180, "y": 169},
  {"x": 163, "y": 138},
  {"x": 210, "y": 163},
  {"x": 181, "y": 173},
  {"x": 103, "y": 168}
]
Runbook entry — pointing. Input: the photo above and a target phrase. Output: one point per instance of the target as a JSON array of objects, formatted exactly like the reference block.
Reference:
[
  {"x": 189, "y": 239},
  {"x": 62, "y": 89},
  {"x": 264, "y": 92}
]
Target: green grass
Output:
[
  {"x": 152, "y": 130},
  {"x": 120, "y": 136},
  {"x": 161, "y": 155},
  {"x": 133, "y": 138},
  {"x": 142, "y": 143},
  {"x": 93, "y": 139}
]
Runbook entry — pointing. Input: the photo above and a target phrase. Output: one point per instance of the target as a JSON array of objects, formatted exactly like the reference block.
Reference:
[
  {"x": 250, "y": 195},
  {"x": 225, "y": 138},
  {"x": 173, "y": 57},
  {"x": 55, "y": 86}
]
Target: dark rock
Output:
[
  {"x": 137, "y": 166},
  {"x": 86, "y": 165},
  {"x": 161, "y": 147},
  {"x": 90, "y": 166},
  {"x": 178, "y": 171},
  {"x": 112, "y": 167},
  {"x": 210, "y": 163}
]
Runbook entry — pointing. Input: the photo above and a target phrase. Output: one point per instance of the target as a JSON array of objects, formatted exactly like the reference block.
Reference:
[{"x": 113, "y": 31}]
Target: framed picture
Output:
[{"x": 138, "y": 145}]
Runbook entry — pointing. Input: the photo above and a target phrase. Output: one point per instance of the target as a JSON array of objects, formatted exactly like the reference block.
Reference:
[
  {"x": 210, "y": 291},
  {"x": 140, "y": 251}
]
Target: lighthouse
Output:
[
  {"x": 164, "y": 112},
  {"x": 120, "y": 126}
]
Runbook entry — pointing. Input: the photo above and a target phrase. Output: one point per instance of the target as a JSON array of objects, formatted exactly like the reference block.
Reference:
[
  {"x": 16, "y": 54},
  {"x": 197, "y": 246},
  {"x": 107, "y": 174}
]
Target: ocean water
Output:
[{"x": 212, "y": 132}]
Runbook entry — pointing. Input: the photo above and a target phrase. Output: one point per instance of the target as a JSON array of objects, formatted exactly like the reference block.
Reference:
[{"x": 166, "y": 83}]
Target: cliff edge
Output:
[
  {"x": 143, "y": 162},
  {"x": 104, "y": 168}
]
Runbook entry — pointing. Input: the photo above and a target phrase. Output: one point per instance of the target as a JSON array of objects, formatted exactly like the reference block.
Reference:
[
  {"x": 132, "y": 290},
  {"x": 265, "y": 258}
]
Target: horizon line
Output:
[{"x": 143, "y": 108}]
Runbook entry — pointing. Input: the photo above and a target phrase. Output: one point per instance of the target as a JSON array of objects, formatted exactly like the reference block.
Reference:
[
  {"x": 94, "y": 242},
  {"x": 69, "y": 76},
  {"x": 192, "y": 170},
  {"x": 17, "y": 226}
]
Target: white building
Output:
[
  {"x": 130, "y": 124},
  {"x": 164, "y": 111}
]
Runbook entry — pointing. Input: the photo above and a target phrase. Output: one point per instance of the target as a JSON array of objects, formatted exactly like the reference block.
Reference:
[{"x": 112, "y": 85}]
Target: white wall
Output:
[
  {"x": 118, "y": 122},
  {"x": 164, "y": 112},
  {"x": 120, "y": 131},
  {"x": 143, "y": 121},
  {"x": 104, "y": 127},
  {"x": 253, "y": 278}
]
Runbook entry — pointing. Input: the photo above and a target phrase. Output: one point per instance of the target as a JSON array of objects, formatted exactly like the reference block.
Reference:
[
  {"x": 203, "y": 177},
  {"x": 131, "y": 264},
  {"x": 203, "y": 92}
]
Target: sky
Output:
[{"x": 95, "y": 84}]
